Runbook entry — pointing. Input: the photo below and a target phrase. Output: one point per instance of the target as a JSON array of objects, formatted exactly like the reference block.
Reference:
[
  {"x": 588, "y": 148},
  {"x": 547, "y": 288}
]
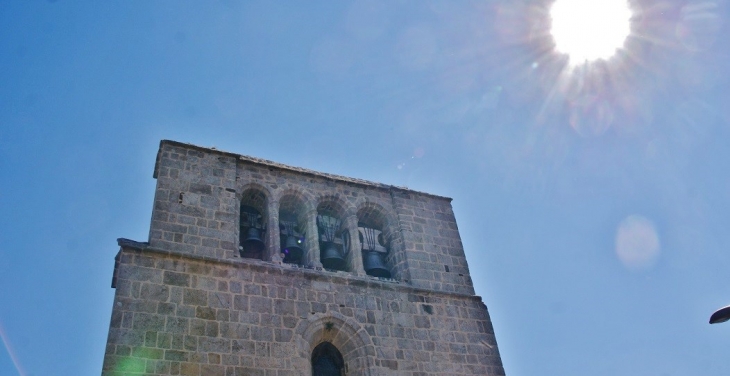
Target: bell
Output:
[
  {"x": 374, "y": 265},
  {"x": 292, "y": 250},
  {"x": 253, "y": 243},
  {"x": 331, "y": 257}
]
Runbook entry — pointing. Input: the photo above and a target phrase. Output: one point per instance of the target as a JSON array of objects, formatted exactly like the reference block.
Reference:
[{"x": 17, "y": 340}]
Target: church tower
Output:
[{"x": 257, "y": 268}]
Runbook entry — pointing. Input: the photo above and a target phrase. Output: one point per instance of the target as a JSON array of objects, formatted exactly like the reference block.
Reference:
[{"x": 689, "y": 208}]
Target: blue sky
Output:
[{"x": 593, "y": 206}]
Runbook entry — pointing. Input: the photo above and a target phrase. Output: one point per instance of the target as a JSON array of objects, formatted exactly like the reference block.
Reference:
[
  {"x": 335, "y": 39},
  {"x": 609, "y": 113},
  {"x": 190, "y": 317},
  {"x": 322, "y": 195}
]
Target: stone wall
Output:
[
  {"x": 195, "y": 209},
  {"x": 188, "y": 303},
  {"x": 199, "y": 192},
  {"x": 182, "y": 314},
  {"x": 433, "y": 246}
]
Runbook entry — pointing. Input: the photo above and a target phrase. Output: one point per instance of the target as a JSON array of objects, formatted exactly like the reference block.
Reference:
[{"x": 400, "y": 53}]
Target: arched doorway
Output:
[{"x": 327, "y": 361}]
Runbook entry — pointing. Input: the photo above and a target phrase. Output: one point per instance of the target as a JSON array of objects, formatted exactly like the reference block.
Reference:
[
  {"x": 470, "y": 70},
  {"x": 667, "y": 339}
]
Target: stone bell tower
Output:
[{"x": 257, "y": 268}]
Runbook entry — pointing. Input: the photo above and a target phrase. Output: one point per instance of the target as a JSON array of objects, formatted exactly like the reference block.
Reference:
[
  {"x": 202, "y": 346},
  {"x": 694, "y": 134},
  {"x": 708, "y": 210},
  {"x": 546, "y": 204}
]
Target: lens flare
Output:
[
  {"x": 637, "y": 242},
  {"x": 13, "y": 357},
  {"x": 128, "y": 364}
]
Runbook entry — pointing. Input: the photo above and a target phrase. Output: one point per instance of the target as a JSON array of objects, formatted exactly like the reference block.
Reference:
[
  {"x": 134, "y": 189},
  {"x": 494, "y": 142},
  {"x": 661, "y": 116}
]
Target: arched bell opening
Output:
[
  {"x": 292, "y": 229},
  {"x": 374, "y": 233},
  {"x": 334, "y": 240},
  {"x": 327, "y": 361},
  {"x": 252, "y": 224}
]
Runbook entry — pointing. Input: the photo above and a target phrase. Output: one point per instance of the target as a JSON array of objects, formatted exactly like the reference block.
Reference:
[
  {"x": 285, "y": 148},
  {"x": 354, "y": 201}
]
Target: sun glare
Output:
[{"x": 588, "y": 30}]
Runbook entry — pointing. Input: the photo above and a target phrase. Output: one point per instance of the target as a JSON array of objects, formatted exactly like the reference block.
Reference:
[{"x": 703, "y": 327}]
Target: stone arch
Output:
[
  {"x": 346, "y": 334},
  {"x": 374, "y": 215},
  {"x": 334, "y": 240},
  {"x": 335, "y": 205},
  {"x": 294, "y": 209},
  {"x": 246, "y": 194},
  {"x": 297, "y": 200},
  {"x": 252, "y": 185}
]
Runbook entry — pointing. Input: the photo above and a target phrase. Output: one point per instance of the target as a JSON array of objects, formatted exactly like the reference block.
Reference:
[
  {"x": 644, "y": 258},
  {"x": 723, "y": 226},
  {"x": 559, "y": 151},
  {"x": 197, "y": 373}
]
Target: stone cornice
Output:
[
  {"x": 270, "y": 268},
  {"x": 300, "y": 170}
]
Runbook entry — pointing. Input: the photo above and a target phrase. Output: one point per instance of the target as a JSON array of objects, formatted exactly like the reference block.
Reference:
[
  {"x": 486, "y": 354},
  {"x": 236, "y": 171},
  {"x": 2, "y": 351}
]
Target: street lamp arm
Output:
[{"x": 721, "y": 315}]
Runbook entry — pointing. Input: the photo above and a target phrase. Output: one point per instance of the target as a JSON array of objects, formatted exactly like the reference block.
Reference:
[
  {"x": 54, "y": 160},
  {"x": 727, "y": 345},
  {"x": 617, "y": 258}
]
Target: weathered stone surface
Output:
[{"x": 187, "y": 304}]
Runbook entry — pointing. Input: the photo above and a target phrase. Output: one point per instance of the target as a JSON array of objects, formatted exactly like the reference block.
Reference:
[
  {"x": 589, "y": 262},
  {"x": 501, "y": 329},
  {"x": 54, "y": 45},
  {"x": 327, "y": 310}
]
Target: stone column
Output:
[
  {"x": 394, "y": 244},
  {"x": 354, "y": 256},
  {"x": 273, "y": 240},
  {"x": 312, "y": 240}
]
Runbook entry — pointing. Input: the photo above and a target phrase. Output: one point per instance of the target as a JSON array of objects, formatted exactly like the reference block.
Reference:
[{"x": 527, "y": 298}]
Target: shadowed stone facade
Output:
[{"x": 188, "y": 303}]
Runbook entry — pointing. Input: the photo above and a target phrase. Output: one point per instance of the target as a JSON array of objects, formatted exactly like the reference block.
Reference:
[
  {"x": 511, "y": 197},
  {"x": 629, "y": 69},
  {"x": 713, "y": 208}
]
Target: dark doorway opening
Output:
[{"x": 327, "y": 361}]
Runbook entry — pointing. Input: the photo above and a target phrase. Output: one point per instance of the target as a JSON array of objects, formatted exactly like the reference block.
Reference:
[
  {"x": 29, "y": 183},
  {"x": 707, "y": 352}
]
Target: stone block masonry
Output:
[{"x": 192, "y": 301}]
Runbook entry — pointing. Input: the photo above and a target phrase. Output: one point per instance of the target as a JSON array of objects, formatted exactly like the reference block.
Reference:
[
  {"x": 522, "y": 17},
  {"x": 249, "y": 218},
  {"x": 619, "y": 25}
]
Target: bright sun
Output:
[{"x": 588, "y": 30}]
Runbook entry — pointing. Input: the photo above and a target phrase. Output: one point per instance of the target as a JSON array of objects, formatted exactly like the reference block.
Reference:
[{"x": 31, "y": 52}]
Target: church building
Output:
[{"x": 256, "y": 268}]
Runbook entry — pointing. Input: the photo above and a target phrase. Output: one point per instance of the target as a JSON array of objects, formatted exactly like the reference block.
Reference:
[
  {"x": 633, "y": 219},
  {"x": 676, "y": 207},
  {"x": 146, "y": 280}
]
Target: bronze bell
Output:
[
  {"x": 374, "y": 265},
  {"x": 292, "y": 250},
  {"x": 253, "y": 243},
  {"x": 332, "y": 257}
]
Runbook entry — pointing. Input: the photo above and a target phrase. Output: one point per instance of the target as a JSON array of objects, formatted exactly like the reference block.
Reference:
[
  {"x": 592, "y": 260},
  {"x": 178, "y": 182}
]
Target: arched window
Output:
[
  {"x": 292, "y": 223},
  {"x": 371, "y": 223},
  {"x": 327, "y": 361},
  {"x": 333, "y": 244},
  {"x": 252, "y": 224}
]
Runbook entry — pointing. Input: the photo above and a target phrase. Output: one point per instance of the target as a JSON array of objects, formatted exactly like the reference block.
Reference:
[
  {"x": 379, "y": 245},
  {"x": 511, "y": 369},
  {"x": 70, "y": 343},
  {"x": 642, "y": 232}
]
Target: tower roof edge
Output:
[{"x": 301, "y": 170}]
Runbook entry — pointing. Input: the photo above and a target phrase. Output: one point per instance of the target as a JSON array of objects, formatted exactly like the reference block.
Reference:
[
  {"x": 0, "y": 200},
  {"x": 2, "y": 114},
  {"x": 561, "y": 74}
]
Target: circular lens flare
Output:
[
  {"x": 588, "y": 30},
  {"x": 637, "y": 242}
]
